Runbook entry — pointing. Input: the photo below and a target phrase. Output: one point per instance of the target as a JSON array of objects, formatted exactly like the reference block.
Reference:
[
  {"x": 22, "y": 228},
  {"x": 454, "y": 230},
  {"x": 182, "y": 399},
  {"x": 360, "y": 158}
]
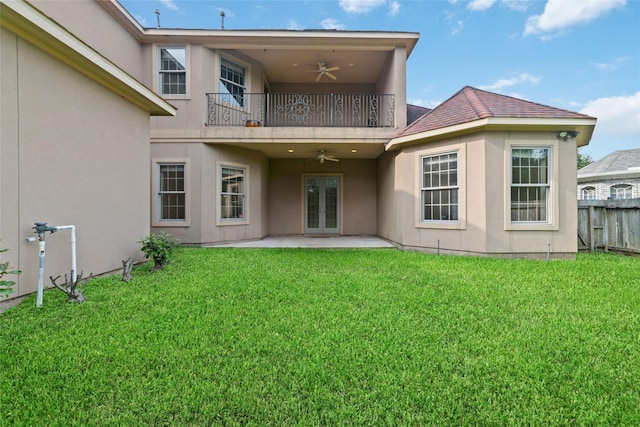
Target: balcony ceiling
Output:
[{"x": 298, "y": 66}]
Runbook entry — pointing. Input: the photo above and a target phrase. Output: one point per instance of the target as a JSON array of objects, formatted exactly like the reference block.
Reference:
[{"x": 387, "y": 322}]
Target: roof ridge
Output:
[
  {"x": 476, "y": 104},
  {"x": 526, "y": 101}
]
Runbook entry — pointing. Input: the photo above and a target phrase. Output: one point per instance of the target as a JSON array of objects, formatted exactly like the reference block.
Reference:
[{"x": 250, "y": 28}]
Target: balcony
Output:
[{"x": 301, "y": 110}]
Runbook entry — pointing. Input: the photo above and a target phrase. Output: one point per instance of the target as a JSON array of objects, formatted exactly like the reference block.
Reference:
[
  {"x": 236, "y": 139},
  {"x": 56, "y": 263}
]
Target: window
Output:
[
  {"x": 530, "y": 184},
  {"x": 232, "y": 193},
  {"x": 173, "y": 71},
  {"x": 588, "y": 193},
  {"x": 621, "y": 191},
  {"x": 171, "y": 203},
  {"x": 232, "y": 83},
  {"x": 440, "y": 188}
]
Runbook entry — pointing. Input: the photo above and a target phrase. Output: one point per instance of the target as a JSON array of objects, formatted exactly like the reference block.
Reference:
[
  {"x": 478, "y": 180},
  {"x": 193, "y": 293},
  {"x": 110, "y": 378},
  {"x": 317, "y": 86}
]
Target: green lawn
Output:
[{"x": 332, "y": 337}]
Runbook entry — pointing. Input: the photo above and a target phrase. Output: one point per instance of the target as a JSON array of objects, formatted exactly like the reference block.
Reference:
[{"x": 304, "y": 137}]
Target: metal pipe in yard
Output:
[
  {"x": 41, "y": 244},
  {"x": 41, "y": 228}
]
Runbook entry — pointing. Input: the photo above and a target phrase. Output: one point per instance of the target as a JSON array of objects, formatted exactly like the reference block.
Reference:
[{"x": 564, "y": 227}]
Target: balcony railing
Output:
[{"x": 301, "y": 109}]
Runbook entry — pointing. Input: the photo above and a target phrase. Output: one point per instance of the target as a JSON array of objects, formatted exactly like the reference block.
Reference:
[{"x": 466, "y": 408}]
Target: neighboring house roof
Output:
[
  {"x": 471, "y": 107},
  {"x": 621, "y": 164},
  {"x": 414, "y": 112},
  {"x": 31, "y": 24},
  {"x": 616, "y": 162}
]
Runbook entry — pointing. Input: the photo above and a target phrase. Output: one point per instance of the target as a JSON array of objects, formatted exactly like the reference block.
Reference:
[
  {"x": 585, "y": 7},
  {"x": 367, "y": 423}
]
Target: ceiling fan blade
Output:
[
  {"x": 332, "y": 159},
  {"x": 319, "y": 75},
  {"x": 331, "y": 76},
  {"x": 333, "y": 69}
]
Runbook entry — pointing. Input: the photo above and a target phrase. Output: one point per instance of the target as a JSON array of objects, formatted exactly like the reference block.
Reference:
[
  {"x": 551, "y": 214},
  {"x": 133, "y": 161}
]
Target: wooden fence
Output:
[{"x": 609, "y": 225}]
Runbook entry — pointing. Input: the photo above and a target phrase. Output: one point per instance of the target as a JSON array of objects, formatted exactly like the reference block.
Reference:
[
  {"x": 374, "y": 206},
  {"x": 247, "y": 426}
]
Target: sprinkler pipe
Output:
[{"x": 41, "y": 228}]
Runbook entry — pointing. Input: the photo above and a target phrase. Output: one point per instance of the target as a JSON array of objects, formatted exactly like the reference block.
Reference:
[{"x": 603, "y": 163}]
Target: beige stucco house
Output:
[
  {"x": 276, "y": 132},
  {"x": 74, "y": 142}
]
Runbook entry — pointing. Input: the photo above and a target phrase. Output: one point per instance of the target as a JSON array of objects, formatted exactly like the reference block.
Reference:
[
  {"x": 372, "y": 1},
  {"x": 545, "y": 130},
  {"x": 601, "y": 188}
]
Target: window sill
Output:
[
  {"x": 156, "y": 223},
  {"x": 531, "y": 226},
  {"x": 442, "y": 225},
  {"x": 176, "y": 97},
  {"x": 227, "y": 222}
]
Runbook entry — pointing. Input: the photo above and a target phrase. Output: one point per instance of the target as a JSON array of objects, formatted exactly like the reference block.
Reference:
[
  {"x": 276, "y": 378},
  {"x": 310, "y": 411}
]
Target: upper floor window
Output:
[
  {"x": 233, "y": 82},
  {"x": 171, "y": 203},
  {"x": 440, "y": 187},
  {"x": 588, "y": 193},
  {"x": 173, "y": 71},
  {"x": 530, "y": 184},
  {"x": 621, "y": 191}
]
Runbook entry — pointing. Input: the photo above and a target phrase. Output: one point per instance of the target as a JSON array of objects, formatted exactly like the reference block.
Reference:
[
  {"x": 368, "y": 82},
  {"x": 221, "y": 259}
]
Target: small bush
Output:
[
  {"x": 158, "y": 247},
  {"x": 6, "y": 286}
]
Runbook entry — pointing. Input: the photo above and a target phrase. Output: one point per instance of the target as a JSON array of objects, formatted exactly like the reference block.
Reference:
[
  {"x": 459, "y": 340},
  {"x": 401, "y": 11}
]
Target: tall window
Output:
[
  {"x": 232, "y": 193},
  {"x": 588, "y": 193},
  {"x": 440, "y": 187},
  {"x": 232, "y": 82},
  {"x": 621, "y": 191},
  {"x": 173, "y": 71},
  {"x": 530, "y": 184},
  {"x": 171, "y": 204}
]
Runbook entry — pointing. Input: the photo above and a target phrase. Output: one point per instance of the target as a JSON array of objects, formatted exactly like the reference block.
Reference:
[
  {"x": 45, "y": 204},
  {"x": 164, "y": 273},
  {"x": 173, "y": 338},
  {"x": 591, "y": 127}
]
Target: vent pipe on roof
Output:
[
  {"x": 222, "y": 15},
  {"x": 157, "y": 12}
]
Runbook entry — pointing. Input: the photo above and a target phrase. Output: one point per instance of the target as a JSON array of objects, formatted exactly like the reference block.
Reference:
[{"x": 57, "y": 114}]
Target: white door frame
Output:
[{"x": 321, "y": 230}]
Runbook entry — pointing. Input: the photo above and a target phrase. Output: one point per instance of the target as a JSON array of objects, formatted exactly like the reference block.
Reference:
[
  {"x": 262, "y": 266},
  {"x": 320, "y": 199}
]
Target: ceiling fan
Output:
[
  {"x": 322, "y": 156},
  {"x": 323, "y": 70}
]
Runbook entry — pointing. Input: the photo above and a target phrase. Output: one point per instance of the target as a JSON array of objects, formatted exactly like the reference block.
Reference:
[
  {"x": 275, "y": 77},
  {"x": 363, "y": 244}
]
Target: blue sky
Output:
[{"x": 580, "y": 55}]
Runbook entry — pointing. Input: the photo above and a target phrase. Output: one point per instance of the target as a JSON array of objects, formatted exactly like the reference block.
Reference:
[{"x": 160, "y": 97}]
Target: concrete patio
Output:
[{"x": 311, "y": 242}]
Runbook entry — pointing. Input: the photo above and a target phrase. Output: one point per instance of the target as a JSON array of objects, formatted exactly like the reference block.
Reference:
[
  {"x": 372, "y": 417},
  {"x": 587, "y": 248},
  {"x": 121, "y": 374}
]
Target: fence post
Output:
[{"x": 592, "y": 232}]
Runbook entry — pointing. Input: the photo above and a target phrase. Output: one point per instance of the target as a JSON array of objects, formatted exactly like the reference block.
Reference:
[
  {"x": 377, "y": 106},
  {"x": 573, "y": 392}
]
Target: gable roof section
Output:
[
  {"x": 29, "y": 23},
  {"x": 471, "y": 108},
  {"x": 618, "y": 162}
]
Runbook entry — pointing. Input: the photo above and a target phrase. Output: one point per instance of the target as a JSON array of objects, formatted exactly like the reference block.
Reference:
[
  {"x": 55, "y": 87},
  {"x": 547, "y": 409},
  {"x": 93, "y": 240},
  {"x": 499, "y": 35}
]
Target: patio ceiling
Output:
[{"x": 299, "y": 65}]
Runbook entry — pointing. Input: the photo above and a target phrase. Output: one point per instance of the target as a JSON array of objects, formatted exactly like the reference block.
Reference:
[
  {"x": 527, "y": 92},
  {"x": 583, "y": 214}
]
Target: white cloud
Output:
[
  {"x": 141, "y": 20},
  {"x": 606, "y": 66},
  {"x": 428, "y": 103},
  {"x": 519, "y": 5},
  {"x": 504, "y": 83},
  {"x": 293, "y": 25},
  {"x": 170, "y": 4},
  {"x": 560, "y": 14},
  {"x": 478, "y": 5},
  {"x": 617, "y": 115},
  {"x": 457, "y": 27},
  {"x": 361, "y": 6},
  {"x": 394, "y": 8},
  {"x": 331, "y": 24}
]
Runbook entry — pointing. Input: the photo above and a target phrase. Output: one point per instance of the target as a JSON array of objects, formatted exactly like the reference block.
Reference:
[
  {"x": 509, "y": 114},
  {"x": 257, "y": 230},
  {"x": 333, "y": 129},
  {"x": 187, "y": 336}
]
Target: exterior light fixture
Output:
[{"x": 566, "y": 135}]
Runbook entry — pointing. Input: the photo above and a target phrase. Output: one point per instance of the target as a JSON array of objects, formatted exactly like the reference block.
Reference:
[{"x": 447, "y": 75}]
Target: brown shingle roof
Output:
[{"x": 470, "y": 104}]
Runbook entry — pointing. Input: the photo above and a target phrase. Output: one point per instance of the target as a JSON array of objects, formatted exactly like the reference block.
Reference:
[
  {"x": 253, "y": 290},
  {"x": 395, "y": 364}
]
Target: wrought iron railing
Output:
[{"x": 301, "y": 109}]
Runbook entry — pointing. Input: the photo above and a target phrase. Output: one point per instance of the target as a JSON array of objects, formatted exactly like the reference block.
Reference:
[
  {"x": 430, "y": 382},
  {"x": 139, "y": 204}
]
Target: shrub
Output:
[
  {"x": 6, "y": 286},
  {"x": 158, "y": 247}
]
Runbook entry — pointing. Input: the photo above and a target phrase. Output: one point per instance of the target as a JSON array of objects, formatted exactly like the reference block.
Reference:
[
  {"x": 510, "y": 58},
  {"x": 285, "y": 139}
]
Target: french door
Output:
[{"x": 322, "y": 205}]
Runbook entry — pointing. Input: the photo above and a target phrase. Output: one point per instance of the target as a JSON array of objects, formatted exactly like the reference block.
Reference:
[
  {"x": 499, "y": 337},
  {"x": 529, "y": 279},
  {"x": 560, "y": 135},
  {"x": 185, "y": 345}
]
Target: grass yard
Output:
[{"x": 332, "y": 337}]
